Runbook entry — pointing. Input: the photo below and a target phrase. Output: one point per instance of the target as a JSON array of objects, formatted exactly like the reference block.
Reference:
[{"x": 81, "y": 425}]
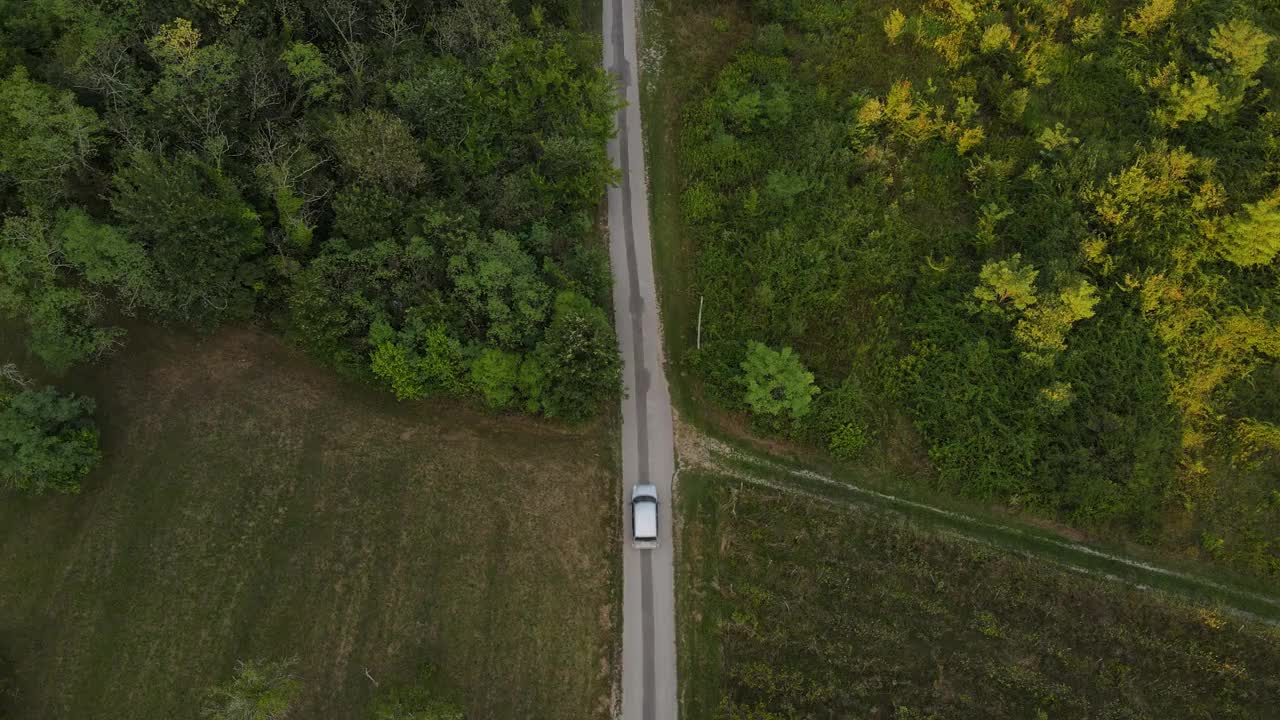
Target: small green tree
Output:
[
  {"x": 1149, "y": 16},
  {"x": 894, "y": 23},
  {"x": 311, "y": 72},
  {"x": 48, "y": 442},
  {"x": 1007, "y": 284},
  {"x": 1252, "y": 238},
  {"x": 378, "y": 147},
  {"x": 260, "y": 690},
  {"x": 494, "y": 374},
  {"x": 996, "y": 38},
  {"x": 421, "y": 360},
  {"x": 44, "y": 135},
  {"x": 1241, "y": 45},
  {"x": 1043, "y": 330},
  {"x": 776, "y": 381},
  {"x": 578, "y": 357},
  {"x": 503, "y": 292},
  {"x": 1190, "y": 101},
  {"x": 531, "y": 381}
]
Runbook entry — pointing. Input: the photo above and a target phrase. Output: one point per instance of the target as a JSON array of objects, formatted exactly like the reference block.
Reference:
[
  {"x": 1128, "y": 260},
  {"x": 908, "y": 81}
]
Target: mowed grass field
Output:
[
  {"x": 791, "y": 607},
  {"x": 252, "y": 504}
]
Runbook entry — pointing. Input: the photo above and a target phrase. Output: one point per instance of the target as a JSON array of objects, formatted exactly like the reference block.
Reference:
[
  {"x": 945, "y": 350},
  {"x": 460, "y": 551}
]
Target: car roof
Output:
[{"x": 645, "y": 516}]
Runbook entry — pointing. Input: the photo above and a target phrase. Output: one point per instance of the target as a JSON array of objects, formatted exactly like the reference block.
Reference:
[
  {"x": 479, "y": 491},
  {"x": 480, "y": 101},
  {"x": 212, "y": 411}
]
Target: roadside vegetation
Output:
[
  {"x": 407, "y": 191},
  {"x": 252, "y": 508},
  {"x": 1024, "y": 252},
  {"x": 793, "y": 607}
]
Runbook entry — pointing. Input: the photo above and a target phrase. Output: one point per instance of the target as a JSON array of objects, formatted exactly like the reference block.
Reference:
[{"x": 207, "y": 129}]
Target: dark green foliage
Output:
[
  {"x": 48, "y": 442},
  {"x": 420, "y": 701},
  {"x": 578, "y": 361},
  {"x": 1051, "y": 245},
  {"x": 289, "y": 161},
  {"x": 202, "y": 236}
]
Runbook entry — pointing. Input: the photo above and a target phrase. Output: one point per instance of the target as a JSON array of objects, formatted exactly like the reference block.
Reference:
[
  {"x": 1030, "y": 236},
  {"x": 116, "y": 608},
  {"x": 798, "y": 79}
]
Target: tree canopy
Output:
[
  {"x": 1043, "y": 233},
  {"x": 401, "y": 188}
]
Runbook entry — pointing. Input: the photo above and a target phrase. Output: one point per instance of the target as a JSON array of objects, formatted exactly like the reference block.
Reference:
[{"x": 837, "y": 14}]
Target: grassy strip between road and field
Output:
[
  {"x": 795, "y": 606},
  {"x": 253, "y": 505},
  {"x": 1015, "y": 537}
]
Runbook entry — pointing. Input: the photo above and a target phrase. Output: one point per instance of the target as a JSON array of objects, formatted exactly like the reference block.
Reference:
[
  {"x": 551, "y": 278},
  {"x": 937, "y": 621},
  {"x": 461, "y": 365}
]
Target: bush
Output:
[
  {"x": 260, "y": 690},
  {"x": 776, "y": 381},
  {"x": 579, "y": 359},
  {"x": 48, "y": 442},
  {"x": 493, "y": 375},
  {"x": 421, "y": 360}
]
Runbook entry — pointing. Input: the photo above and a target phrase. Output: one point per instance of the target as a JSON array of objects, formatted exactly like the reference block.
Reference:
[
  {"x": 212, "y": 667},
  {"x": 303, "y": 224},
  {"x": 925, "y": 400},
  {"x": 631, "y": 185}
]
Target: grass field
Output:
[
  {"x": 792, "y": 607},
  {"x": 253, "y": 505}
]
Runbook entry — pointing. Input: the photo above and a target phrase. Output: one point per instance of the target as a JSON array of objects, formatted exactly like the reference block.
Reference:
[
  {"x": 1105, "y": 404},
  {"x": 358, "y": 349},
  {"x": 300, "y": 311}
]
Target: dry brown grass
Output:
[{"x": 254, "y": 505}]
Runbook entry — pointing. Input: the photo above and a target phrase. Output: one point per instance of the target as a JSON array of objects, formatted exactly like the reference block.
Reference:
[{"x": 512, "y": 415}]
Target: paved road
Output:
[{"x": 648, "y": 602}]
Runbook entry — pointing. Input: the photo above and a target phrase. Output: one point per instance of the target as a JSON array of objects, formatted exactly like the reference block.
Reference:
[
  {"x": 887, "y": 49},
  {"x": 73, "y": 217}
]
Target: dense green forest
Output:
[
  {"x": 1044, "y": 231},
  {"x": 407, "y": 189}
]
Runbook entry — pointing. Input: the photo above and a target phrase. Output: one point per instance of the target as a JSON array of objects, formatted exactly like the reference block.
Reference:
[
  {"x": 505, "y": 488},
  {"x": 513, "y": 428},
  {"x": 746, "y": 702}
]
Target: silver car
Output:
[{"x": 644, "y": 517}]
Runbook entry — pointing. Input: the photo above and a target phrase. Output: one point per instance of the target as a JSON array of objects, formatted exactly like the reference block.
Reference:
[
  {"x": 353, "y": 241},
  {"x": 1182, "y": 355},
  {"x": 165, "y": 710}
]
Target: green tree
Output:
[
  {"x": 1241, "y": 46},
  {"x": 1007, "y": 284},
  {"x": 1252, "y": 237},
  {"x": 106, "y": 258},
  {"x": 578, "y": 358},
  {"x": 195, "y": 96},
  {"x": 499, "y": 284},
  {"x": 420, "y": 360},
  {"x": 378, "y": 147},
  {"x": 1043, "y": 329},
  {"x": 260, "y": 690},
  {"x": 55, "y": 281},
  {"x": 44, "y": 136},
  {"x": 311, "y": 71},
  {"x": 494, "y": 374},
  {"x": 200, "y": 233},
  {"x": 776, "y": 381},
  {"x": 1190, "y": 101},
  {"x": 48, "y": 442}
]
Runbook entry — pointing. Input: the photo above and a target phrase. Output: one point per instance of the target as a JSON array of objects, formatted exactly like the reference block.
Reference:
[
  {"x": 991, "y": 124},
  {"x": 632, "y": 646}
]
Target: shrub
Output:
[
  {"x": 48, "y": 442},
  {"x": 578, "y": 357},
  {"x": 848, "y": 440},
  {"x": 494, "y": 374},
  {"x": 894, "y": 23},
  {"x": 421, "y": 360},
  {"x": 260, "y": 690},
  {"x": 776, "y": 381}
]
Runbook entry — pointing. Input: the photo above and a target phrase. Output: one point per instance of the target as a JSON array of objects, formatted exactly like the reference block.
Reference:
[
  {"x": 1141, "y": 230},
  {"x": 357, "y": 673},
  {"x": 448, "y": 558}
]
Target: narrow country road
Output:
[{"x": 648, "y": 588}]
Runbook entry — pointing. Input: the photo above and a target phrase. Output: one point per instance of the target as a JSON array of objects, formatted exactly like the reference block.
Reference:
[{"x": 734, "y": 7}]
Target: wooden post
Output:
[{"x": 700, "y": 299}]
